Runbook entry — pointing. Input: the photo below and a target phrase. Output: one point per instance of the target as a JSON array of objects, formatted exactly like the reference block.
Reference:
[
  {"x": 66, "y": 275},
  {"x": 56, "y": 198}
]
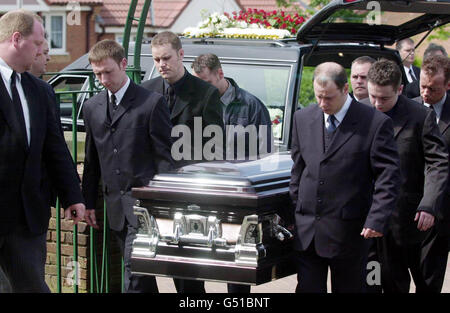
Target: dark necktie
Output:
[
  {"x": 170, "y": 97},
  {"x": 331, "y": 123},
  {"x": 113, "y": 102},
  {"x": 18, "y": 106},
  {"x": 411, "y": 73}
]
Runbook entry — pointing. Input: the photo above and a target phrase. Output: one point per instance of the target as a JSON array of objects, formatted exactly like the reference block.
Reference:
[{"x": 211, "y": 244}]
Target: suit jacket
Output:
[
  {"x": 196, "y": 99},
  {"x": 412, "y": 90},
  {"x": 23, "y": 186},
  {"x": 126, "y": 151},
  {"x": 423, "y": 165},
  {"x": 444, "y": 127},
  {"x": 54, "y": 106},
  {"x": 353, "y": 185}
]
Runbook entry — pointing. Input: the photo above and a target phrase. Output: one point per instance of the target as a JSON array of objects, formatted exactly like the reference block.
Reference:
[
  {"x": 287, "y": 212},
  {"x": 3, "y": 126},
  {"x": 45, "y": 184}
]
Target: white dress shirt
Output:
[
  {"x": 120, "y": 93},
  {"x": 437, "y": 107},
  {"x": 340, "y": 114}
]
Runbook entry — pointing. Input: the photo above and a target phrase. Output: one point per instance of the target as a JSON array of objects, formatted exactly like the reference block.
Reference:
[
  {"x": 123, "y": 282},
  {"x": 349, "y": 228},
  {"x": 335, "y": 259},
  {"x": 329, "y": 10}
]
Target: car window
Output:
[
  {"x": 68, "y": 83},
  {"x": 268, "y": 83}
]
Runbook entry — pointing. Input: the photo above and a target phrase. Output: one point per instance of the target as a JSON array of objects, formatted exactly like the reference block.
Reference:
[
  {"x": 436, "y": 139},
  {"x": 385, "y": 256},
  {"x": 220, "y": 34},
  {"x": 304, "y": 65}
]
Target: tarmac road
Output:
[{"x": 284, "y": 285}]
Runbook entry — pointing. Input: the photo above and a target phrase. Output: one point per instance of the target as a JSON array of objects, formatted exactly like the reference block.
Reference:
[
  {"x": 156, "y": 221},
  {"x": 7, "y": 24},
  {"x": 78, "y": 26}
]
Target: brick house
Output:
[{"x": 73, "y": 27}]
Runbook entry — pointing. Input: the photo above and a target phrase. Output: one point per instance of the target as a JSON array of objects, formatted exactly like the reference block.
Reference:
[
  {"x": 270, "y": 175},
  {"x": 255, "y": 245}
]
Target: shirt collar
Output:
[
  {"x": 437, "y": 107},
  {"x": 6, "y": 72},
  {"x": 178, "y": 84},
  {"x": 121, "y": 92},
  {"x": 342, "y": 112},
  {"x": 229, "y": 94}
]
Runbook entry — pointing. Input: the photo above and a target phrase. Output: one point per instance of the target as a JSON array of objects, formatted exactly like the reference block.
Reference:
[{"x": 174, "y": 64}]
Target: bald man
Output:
[{"x": 344, "y": 183}]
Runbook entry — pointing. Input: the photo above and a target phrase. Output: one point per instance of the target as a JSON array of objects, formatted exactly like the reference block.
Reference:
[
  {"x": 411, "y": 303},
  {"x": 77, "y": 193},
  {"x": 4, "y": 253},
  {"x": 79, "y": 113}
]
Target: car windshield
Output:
[{"x": 268, "y": 83}]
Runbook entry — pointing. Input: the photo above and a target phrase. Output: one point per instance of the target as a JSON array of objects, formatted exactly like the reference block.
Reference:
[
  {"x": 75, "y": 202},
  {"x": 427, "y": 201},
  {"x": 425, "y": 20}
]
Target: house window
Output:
[{"x": 55, "y": 28}]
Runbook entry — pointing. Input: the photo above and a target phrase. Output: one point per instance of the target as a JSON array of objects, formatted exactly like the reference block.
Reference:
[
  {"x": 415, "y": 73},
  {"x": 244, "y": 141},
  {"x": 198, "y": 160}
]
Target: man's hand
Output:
[
  {"x": 75, "y": 212},
  {"x": 90, "y": 219},
  {"x": 370, "y": 233},
  {"x": 425, "y": 220}
]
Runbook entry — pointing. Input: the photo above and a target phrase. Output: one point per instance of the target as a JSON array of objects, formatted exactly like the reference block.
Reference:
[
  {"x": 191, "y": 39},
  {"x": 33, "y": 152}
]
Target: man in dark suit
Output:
[
  {"x": 435, "y": 91},
  {"x": 406, "y": 49},
  {"x": 192, "y": 102},
  {"x": 344, "y": 183},
  {"x": 424, "y": 168},
  {"x": 412, "y": 90},
  {"x": 38, "y": 68},
  {"x": 194, "y": 105},
  {"x": 29, "y": 140},
  {"x": 358, "y": 77},
  {"x": 127, "y": 143}
]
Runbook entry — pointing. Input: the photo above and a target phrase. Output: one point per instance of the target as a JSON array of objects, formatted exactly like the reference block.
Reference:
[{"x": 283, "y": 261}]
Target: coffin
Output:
[{"x": 217, "y": 221}]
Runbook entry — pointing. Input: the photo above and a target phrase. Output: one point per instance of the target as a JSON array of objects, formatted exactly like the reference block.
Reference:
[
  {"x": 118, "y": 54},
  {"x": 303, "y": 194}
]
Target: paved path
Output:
[{"x": 284, "y": 285}]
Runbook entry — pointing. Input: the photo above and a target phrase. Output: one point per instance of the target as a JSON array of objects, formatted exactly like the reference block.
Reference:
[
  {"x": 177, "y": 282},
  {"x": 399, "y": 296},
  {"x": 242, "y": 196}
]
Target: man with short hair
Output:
[
  {"x": 344, "y": 183},
  {"x": 413, "y": 90},
  {"x": 434, "y": 88},
  {"x": 189, "y": 98},
  {"x": 241, "y": 108},
  {"x": 358, "y": 77},
  {"x": 424, "y": 169},
  {"x": 406, "y": 50},
  {"x": 39, "y": 66},
  {"x": 127, "y": 143},
  {"x": 30, "y": 140}
]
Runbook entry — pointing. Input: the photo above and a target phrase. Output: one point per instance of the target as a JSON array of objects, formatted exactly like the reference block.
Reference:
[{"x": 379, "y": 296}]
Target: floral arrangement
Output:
[{"x": 254, "y": 24}]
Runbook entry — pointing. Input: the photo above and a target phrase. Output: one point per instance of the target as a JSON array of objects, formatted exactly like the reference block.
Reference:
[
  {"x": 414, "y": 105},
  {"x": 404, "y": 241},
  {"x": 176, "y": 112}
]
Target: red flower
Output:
[
  {"x": 282, "y": 13},
  {"x": 274, "y": 12},
  {"x": 293, "y": 30},
  {"x": 249, "y": 11},
  {"x": 283, "y": 26},
  {"x": 302, "y": 19},
  {"x": 286, "y": 18}
]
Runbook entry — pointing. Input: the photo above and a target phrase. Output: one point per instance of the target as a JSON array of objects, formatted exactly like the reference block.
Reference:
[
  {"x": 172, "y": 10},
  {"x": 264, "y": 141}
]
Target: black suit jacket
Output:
[
  {"x": 444, "y": 127},
  {"x": 412, "y": 90},
  {"x": 197, "y": 99},
  {"x": 126, "y": 151},
  {"x": 23, "y": 186},
  {"x": 423, "y": 164},
  {"x": 353, "y": 185}
]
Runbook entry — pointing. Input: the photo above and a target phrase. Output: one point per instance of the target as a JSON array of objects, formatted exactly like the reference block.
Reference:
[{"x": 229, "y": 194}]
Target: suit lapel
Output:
[
  {"x": 6, "y": 106},
  {"x": 399, "y": 118},
  {"x": 33, "y": 107},
  {"x": 183, "y": 98},
  {"x": 125, "y": 103},
  {"x": 316, "y": 130},
  {"x": 345, "y": 130},
  {"x": 444, "y": 121}
]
